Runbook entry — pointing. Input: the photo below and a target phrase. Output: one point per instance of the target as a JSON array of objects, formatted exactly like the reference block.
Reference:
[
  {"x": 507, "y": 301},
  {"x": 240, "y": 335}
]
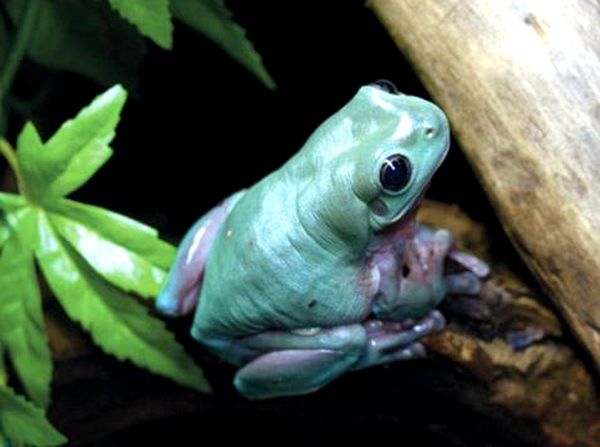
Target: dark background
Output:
[{"x": 200, "y": 128}]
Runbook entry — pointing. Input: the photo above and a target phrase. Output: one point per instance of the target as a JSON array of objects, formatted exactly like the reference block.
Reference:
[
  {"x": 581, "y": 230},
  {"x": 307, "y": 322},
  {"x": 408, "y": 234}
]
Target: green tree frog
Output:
[{"x": 320, "y": 268}]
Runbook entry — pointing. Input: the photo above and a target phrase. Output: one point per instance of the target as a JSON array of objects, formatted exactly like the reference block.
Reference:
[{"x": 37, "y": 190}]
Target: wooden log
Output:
[
  {"x": 509, "y": 341},
  {"x": 520, "y": 82}
]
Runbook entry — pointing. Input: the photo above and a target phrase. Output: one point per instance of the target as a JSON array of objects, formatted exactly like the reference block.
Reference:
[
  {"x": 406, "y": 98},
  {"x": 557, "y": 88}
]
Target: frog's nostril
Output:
[{"x": 429, "y": 131}]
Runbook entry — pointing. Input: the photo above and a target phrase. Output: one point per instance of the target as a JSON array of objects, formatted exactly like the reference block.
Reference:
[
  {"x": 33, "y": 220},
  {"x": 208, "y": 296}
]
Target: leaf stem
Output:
[
  {"x": 17, "y": 51},
  {"x": 7, "y": 151}
]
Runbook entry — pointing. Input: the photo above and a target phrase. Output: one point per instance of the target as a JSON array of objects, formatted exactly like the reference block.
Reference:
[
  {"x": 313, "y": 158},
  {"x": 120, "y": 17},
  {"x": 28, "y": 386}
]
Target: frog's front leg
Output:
[
  {"x": 428, "y": 255},
  {"x": 280, "y": 363}
]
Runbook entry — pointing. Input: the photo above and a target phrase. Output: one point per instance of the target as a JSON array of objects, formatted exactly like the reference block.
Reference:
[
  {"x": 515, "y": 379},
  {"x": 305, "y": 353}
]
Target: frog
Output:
[{"x": 321, "y": 267}]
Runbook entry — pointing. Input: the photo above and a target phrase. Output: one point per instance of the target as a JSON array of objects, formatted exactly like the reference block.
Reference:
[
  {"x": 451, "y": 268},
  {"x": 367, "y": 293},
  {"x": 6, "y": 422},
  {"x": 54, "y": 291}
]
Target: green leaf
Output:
[
  {"x": 74, "y": 153},
  {"x": 23, "y": 331},
  {"x": 214, "y": 20},
  {"x": 12, "y": 206},
  {"x": 116, "y": 263},
  {"x": 4, "y": 231},
  {"x": 30, "y": 142},
  {"x": 85, "y": 37},
  {"x": 22, "y": 422},
  {"x": 11, "y": 202},
  {"x": 81, "y": 250},
  {"x": 116, "y": 322},
  {"x": 130, "y": 234},
  {"x": 151, "y": 17}
]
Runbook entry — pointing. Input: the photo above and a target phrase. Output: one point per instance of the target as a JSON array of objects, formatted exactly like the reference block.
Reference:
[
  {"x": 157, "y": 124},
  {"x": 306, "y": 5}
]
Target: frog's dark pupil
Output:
[{"x": 395, "y": 173}]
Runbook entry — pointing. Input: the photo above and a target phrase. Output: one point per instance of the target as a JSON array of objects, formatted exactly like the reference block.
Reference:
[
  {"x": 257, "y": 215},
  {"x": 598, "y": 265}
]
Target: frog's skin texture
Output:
[{"x": 320, "y": 268}]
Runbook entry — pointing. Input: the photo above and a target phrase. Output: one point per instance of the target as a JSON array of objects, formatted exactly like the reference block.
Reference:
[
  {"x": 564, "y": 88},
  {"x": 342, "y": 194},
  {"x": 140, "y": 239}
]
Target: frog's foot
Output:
[
  {"x": 462, "y": 283},
  {"x": 398, "y": 340},
  {"x": 424, "y": 259},
  {"x": 433, "y": 248},
  {"x": 469, "y": 281}
]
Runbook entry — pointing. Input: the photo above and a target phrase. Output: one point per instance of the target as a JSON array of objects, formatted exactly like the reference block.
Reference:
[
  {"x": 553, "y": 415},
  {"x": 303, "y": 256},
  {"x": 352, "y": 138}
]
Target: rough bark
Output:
[
  {"x": 502, "y": 374},
  {"x": 509, "y": 340},
  {"x": 520, "y": 82}
]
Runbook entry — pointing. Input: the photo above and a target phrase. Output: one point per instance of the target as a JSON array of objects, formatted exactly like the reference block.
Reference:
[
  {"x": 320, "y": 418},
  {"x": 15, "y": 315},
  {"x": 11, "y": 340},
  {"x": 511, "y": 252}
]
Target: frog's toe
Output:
[
  {"x": 415, "y": 350},
  {"x": 471, "y": 263},
  {"x": 463, "y": 283},
  {"x": 444, "y": 241},
  {"x": 438, "y": 322},
  {"x": 392, "y": 341}
]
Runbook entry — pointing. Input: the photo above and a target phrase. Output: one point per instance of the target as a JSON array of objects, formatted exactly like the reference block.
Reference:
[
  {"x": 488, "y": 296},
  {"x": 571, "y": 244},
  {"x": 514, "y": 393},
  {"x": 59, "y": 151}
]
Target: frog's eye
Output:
[
  {"x": 386, "y": 86},
  {"x": 395, "y": 173}
]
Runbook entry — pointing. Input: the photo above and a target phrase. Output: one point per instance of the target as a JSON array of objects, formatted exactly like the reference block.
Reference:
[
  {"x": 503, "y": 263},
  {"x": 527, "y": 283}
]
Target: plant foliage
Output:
[
  {"x": 89, "y": 256},
  {"x": 101, "y": 39}
]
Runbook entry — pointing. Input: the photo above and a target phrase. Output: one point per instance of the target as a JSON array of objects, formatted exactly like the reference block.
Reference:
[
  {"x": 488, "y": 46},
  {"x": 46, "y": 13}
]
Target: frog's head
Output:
[
  {"x": 403, "y": 140},
  {"x": 368, "y": 165}
]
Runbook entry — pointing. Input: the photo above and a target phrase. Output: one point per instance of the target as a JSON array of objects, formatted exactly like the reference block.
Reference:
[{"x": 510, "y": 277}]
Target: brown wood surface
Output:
[
  {"x": 509, "y": 340},
  {"x": 520, "y": 81}
]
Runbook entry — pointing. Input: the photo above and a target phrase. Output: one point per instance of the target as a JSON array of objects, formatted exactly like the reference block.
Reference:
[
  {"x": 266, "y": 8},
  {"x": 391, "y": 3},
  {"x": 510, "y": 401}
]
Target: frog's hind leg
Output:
[
  {"x": 291, "y": 372},
  {"x": 294, "y": 362},
  {"x": 283, "y": 363},
  {"x": 179, "y": 294}
]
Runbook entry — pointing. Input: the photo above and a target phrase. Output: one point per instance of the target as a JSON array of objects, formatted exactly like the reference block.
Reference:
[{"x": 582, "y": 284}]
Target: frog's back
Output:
[{"x": 266, "y": 272}]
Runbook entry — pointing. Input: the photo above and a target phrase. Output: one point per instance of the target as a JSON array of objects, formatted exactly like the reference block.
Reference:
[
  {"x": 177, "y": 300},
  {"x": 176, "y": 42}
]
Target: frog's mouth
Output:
[
  {"x": 410, "y": 211},
  {"x": 404, "y": 222}
]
